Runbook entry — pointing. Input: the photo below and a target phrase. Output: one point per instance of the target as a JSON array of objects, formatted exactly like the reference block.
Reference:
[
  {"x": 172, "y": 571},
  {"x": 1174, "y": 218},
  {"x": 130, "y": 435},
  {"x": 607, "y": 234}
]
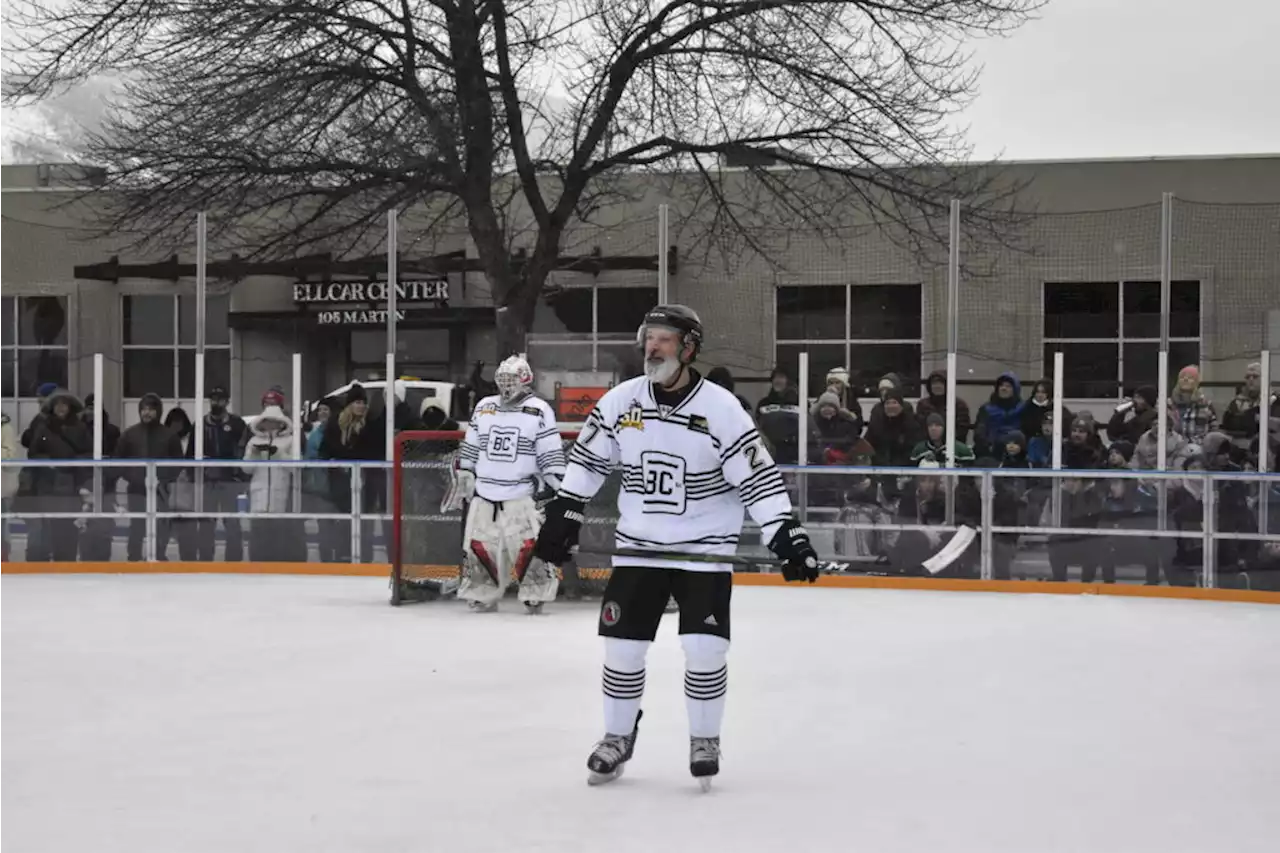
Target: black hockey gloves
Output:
[
  {"x": 559, "y": 534},
  {"x": 799, "y": 560}
]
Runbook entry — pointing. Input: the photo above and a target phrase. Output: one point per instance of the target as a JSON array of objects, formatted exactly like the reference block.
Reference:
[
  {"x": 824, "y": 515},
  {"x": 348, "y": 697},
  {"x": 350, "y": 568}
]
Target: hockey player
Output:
[
  {"x": 511, "y": 453},
  {"x": 691, "y": 460}
]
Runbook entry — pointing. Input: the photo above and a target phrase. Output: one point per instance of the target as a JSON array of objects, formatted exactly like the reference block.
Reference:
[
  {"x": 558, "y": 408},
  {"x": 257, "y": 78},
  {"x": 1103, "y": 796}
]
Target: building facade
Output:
[{"x": 1083, "y": 279}]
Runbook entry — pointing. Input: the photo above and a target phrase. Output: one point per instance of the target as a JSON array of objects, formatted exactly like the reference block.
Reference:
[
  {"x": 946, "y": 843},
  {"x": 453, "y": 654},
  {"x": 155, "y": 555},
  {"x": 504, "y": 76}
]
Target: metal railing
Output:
[{"x": 857, "y": 514}]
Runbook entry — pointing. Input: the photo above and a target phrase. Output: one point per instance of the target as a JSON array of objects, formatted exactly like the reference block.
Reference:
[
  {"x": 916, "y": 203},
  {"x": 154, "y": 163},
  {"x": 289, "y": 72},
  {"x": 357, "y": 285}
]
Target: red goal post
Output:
[{"x": 426, "y": 547}]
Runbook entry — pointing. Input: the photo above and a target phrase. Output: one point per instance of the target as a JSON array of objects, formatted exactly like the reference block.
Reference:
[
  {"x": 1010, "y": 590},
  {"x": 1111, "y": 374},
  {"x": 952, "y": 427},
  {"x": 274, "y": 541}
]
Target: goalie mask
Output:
[
  {"x": 680, "y": 319},
  {"x": 514, "y": 379}
]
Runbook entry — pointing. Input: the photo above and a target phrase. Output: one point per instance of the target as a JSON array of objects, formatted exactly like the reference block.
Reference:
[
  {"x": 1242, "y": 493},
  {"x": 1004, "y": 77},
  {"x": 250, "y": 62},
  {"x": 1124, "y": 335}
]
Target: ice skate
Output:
[
  {"x": 483, "y": 607},
  {"x": 611, "y": 755},
  {"x": 533, "y": 608},
  {"x": 704, "y": 759}
]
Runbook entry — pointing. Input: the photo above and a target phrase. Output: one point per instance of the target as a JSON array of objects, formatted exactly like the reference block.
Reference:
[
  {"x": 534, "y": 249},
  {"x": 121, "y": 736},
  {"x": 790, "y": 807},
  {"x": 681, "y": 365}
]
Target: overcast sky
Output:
[
  {"x": 1090, "y": 78},
  {"x": 1133, "y": 78}
]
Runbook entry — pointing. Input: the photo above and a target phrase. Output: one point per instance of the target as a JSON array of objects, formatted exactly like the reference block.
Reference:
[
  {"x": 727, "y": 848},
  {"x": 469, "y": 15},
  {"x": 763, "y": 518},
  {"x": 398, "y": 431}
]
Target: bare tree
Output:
[{"x": 304, "y": 121}]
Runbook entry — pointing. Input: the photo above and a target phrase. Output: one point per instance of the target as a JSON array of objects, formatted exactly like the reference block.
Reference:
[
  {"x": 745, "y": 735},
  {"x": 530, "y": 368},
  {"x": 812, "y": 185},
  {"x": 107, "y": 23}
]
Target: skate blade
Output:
[
  {"x": 594, "y": 778},
  {"x": 704, "y": 782},
  {"x": 533, "y": 609}
]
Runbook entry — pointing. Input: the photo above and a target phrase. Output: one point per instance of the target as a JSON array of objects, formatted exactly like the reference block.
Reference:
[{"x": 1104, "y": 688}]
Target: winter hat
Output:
[
  {"x": 46, "y": 388},
  {"x": 218, "y": 392},
  {"x": 929, "y": 463},
  {"x": 1124, "y": 448},
  {"x": 935, "y": 418},
  {"x": 1148, "y": 393},
  {"x": 1016, "y": 437},
  {"x": 826, "y": 398},
  {"x": 273, "y": 397},
  {"x": 1190, "y": 370},
  {"x": 1083, "y": 423},
  {"x": 838, "y": 374},
  {"x": 895, "y": 393},
  {"x": 356, "y": 392}
]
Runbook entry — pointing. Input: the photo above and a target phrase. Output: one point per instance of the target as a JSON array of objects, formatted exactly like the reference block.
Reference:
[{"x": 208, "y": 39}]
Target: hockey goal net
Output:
[{"x": 426, "y": 543}]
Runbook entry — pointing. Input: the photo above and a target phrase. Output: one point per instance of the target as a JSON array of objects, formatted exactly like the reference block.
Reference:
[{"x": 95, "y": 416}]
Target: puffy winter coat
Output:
[
  {"x": 270, "y": 440},
  {"x": 998, "y": 418}
]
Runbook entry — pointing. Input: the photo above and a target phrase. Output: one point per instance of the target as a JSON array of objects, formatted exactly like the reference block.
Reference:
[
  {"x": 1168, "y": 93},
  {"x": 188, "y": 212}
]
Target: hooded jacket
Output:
[
  {"x": 931, "y": 403},
  {"x": 54, "y": 437},
  {"x": 893, "y": 438},
  {"x": 151, "y": 440},
  {"x": 1034, "y": 414},
  {"x": 998, "y": 417},
  {"x": 778, "y": 418},
  {"x": 833, "y": 439},
  {"x": 270, "y": 440}
]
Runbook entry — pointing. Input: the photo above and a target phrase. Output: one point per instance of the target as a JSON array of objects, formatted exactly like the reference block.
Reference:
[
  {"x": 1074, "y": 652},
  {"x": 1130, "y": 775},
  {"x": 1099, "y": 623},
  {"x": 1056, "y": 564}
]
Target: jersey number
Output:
[{"x": 753, "y": 456}]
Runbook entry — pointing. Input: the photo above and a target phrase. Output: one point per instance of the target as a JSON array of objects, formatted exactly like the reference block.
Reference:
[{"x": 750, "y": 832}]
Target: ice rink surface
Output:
[{"x": 169, "y": 714}]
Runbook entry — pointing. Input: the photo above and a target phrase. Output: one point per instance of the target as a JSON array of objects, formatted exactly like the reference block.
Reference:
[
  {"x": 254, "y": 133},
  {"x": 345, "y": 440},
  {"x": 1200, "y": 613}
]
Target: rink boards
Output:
[{"x": 740, "y": 579}]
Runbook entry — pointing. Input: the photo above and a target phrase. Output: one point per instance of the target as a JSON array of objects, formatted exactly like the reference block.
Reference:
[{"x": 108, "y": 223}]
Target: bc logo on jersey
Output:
[
  {"x": 503, "y": 444},
  {"x": 662, "y": 477},
  {"x": 634, "y": 417}
]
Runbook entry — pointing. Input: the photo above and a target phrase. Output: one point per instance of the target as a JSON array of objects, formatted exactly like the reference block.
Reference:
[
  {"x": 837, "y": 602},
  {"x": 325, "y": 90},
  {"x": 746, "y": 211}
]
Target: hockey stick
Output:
[{"x": 963, "y": 539}]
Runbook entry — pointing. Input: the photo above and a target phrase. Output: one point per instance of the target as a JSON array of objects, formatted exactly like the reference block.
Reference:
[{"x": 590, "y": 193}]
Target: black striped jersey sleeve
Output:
[
  {"x": 469, "y": 452},
  {"x": 550, "y": 451},
  {"x": 594, "y": 455},
  {"x": 748, "y": 466}
]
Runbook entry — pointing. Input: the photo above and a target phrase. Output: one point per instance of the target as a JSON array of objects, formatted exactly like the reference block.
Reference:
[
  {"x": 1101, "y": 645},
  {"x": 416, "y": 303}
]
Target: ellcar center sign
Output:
[{"x": 338, "y": 293}]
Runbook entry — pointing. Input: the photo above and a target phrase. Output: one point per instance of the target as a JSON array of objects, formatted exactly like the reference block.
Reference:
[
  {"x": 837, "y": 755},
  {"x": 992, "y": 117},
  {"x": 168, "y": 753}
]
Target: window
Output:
[
  {"x": 589, "y": 328},
  {"x": 160, "y": 345},
  {"x": 870, "y": 330},
  {"x": 1109, "y": 333},
  {"x": 35, "y": 343}
]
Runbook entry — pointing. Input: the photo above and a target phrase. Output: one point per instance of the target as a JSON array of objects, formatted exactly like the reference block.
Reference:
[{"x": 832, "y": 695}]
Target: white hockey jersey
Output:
[
  {"x": 509, "y": 448},
  {"x": 687, "y": 474}
]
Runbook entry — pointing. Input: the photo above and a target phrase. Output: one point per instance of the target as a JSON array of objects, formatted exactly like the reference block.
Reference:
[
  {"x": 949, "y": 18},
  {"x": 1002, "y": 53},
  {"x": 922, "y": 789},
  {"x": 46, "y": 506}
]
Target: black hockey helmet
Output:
[{"x": 677, "y": 318}]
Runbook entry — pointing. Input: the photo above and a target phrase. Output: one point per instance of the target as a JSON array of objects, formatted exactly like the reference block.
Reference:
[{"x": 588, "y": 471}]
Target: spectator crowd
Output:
[
  {"x": 1013, "y": 431},
  {"x": 343, "y": 430},
  {"x": 883, "y": 519}
]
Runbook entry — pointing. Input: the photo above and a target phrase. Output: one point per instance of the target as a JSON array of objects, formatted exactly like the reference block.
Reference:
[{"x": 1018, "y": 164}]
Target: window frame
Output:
[
  {"x": 849, "y": 342},
  {"x": 173, "y": 349},
  {"x": 574, "y": 339},
  {"x": 11, "y": 342},
  {"x": 1120, "y": 339}
]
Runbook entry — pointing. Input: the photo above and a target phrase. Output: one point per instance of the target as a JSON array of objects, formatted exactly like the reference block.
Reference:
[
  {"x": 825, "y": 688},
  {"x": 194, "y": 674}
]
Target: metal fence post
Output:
[
  {"x": 153, "y": 485},
  {"x": 988, "y": 516},
  {"x": 1209, "y": 560},
  {"x": 356, "y": 508}
]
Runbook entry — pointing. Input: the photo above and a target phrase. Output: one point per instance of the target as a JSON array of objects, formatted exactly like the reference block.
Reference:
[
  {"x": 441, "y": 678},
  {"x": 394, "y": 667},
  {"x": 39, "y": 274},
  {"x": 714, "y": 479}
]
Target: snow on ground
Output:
[{"x": 207, "y": 713}]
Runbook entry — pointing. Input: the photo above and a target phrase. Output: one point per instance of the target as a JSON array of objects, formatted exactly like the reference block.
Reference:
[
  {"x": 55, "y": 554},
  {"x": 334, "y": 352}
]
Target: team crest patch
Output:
[
  {"x": 698, "y": 423},
  {"x": 531, "y": 410},
  {"x": 634, "y": 418},
  {"x": 610, "y": 613}
]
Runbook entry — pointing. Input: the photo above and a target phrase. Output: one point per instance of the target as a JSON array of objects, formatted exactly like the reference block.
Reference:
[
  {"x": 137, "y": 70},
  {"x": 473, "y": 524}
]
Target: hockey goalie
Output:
[{"x": 510, "y": 460}]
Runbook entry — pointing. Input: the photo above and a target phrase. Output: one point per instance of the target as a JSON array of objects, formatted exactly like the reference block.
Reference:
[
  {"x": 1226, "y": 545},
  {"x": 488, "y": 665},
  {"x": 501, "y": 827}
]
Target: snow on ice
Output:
[{"x": 207, "y": 713}]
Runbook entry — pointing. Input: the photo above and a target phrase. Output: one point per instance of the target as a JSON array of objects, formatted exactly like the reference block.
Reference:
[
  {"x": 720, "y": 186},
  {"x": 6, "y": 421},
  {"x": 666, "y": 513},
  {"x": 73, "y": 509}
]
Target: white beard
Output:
[{"x": 663, "y": 371}]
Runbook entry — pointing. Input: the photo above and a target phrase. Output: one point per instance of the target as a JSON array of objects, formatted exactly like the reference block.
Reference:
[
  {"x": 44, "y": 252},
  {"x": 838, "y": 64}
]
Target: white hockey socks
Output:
[
  {"x": 623, "y": 683},
  {"x": 706, "y": 680}
]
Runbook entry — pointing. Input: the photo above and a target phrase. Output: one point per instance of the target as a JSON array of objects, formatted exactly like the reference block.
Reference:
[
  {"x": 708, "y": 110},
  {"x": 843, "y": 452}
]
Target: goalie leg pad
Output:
[
  {"x": 521, "y": 521},
  {"x": 483, "y": 579}
]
